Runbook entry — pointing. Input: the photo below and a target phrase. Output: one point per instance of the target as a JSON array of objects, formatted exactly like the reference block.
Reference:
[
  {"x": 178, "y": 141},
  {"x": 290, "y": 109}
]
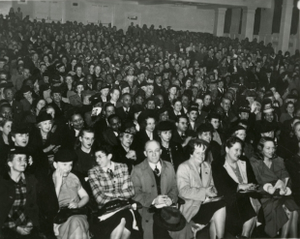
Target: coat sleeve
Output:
[
  {"x": 141, "y": 195},
  {"x": 173, "y": 192}
]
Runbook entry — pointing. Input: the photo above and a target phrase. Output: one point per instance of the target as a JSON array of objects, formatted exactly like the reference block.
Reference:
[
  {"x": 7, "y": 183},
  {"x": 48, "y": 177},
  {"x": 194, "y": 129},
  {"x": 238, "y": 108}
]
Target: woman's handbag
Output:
[{"x": 64, "y": 213}]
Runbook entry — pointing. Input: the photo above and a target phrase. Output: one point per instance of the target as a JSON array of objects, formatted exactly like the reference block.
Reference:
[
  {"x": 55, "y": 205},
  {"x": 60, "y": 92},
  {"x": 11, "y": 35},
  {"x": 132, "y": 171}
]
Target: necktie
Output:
[
  {"x": 156, "y": 170},
  {"x": 183, "y": 136},
  {"x": 110, "y": 172},
  {"x": 200, "y": 174}
]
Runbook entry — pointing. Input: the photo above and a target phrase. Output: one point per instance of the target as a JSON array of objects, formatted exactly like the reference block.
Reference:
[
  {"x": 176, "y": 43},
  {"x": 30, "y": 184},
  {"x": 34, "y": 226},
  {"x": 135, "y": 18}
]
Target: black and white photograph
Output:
[{"x": 149, "y": 119}]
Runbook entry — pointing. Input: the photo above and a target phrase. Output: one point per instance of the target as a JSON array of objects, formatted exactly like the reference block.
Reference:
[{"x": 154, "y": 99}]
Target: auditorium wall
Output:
[
  {"x": 121, "y": 14},
  {"x": 4, "y": 7}
]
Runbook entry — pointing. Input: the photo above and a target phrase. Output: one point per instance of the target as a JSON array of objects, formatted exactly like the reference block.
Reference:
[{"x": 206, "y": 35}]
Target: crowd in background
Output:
[{"x": 96, "y": 91}]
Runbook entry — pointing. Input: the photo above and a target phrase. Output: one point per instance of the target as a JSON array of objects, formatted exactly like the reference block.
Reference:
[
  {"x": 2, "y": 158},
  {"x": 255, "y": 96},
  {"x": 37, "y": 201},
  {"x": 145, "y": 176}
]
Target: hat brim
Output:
[{"x": 177, "y": 227}]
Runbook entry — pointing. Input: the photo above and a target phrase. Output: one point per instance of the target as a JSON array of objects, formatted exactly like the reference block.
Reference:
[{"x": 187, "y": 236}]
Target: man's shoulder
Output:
[
  {"x": 167, "y": 164},
  {"x": 140, "y": 166}
]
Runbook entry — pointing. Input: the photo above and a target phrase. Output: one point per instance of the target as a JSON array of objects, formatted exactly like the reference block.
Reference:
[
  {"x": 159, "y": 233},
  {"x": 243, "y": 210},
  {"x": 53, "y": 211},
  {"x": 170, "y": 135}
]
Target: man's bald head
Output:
[{"x": 152, "y": 151}]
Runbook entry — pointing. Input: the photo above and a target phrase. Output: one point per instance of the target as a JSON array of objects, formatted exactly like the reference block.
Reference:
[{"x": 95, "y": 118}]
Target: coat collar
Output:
[
  {"x": 205, "y": 172},
  {"x": 163, "y": 177},
  {"x": 243, "y": 170}
]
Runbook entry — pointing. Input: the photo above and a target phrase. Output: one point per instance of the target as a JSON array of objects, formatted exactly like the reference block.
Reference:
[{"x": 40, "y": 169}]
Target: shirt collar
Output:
[
  {"x": 111, "y": 167},
  {"x": 150, "y": 134},
  {"x": 152, "y": 165}
]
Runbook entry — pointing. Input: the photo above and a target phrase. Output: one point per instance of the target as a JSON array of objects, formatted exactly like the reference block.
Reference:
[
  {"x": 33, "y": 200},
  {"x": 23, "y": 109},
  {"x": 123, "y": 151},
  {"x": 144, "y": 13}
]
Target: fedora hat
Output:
[{"x": 170, "y": 218}]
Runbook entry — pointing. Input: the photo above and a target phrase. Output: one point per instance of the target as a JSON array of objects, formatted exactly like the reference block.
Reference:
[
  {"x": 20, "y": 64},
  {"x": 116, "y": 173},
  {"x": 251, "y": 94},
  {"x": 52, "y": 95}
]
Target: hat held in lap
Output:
[{"x": 170, "y": 218}]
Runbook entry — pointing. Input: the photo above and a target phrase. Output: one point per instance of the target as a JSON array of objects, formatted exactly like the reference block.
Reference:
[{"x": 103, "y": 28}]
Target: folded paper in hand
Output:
[
  {"x": 108, "y": 215},
  {"x": 213, "y": 199}
]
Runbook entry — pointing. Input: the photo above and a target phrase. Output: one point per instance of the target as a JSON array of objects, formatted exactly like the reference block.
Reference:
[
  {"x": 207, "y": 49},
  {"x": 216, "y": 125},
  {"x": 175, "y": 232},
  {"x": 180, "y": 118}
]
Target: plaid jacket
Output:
[
  {"x": 106, "y": 188},
  {"x": 16, "y": 216}
]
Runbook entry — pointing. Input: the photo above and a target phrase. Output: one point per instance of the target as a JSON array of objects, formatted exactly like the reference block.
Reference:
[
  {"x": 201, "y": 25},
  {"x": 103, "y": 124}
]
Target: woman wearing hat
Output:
[
  {"x": 171, "y": 151},
  {"x": 196, "y": 186},
  {"x": 62, "y": 190},
  {"x": 18, "y": 196},
  {"x": 42, "y": 141},
  {"x": 172, "y": 94},
  {"x": 27, "y": 99},
  {"x": 280, "y": 211},
  {"x": 241, "y": 133}
]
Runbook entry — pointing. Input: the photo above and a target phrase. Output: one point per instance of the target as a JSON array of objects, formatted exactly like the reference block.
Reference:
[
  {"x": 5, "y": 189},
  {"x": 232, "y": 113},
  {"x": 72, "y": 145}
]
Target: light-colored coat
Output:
[
  {"x": 146, "y": 190},
  {"x": 191, "y": 187}
]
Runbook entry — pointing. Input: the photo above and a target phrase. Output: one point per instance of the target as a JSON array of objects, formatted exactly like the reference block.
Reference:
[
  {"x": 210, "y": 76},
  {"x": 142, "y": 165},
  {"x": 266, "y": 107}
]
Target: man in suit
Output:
[
  {"x": 180, "y": 133},
  {"x": 154, "y": 184},
  {"x": 268, "y": 79},
  {"x": 192, "y": 114},
  {"x": 111, "y": 134},
  {"x": 124, "y": 111},
  {"x": 101, "y": 124},
  {"x": 17, "y": 108},
  {"x": 195, "y": 185}
]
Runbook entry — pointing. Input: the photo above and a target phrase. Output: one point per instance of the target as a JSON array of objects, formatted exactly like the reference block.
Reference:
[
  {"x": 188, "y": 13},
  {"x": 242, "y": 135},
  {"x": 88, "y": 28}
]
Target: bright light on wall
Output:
[{"x": 298, "y": 4}]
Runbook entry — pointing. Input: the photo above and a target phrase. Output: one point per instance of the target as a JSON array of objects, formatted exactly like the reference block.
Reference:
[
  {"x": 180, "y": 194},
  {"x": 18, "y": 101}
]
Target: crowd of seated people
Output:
[{"x": 149, "y": 133}]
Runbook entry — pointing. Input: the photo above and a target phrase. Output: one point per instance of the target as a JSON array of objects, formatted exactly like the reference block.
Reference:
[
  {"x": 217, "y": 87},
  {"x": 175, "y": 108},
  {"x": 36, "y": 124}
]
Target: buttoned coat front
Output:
[
  {"x": 191, "y": 187},
  {"x": 146, "y": 190}
]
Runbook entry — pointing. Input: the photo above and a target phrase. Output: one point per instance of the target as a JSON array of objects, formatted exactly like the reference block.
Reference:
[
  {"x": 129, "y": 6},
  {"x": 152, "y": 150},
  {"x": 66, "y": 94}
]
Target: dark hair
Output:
[
  {"x": 195, "y": 142},
  {"x": 233, "y": 140},
  {"x": 243, "y": 122},
  {"x": 104, "y": 148},
  {"x": 11, "y": 156},
  {"x": 181, "y": 117},
  {"x": 112, "y": 116},
  {"x": 3, "y": 121},
  {"x": 176, "y": 100},
  {"x": 126, "y": 94},
  {"x": 287, "y": 104},
  {"x": 108, "y": 105},
  {"x": 87, "y": 130},
  {"x": 75, "y": 112}
]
